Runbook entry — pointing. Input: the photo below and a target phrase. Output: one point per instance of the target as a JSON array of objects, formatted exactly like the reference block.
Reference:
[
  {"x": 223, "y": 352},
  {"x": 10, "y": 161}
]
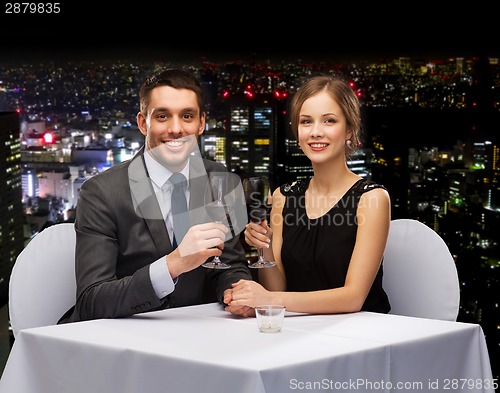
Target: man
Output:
[{"x": 126, "y": 259}]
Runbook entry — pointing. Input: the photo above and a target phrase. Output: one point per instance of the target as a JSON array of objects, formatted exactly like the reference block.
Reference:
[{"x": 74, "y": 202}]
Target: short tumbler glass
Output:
[{"x": 270, "y": 318}]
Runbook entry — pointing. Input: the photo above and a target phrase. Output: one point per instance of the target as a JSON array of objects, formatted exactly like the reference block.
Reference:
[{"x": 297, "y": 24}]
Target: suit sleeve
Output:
[{"x": 100, "y": 291}]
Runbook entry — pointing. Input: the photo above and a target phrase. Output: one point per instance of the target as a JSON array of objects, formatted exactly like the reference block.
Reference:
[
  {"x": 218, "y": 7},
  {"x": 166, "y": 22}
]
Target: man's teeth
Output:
[{"x": 174, "y": 143}]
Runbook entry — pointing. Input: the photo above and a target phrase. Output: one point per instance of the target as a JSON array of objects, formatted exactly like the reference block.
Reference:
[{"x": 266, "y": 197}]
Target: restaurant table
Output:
[{"x": 206, "y": 349}]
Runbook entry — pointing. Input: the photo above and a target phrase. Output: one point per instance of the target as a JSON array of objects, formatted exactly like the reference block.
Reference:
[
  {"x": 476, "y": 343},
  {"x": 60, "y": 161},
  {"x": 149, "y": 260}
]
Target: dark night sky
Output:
[{"x": 310, "y": 31}]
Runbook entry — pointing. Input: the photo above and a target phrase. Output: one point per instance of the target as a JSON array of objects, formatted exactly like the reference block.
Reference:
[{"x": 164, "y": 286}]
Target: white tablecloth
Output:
[{"x": 205, "y": 349}]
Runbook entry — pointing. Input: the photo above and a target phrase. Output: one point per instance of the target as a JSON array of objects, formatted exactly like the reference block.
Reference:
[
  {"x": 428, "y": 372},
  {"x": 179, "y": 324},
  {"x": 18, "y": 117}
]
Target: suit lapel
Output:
[{"x": 146, "y": 204}]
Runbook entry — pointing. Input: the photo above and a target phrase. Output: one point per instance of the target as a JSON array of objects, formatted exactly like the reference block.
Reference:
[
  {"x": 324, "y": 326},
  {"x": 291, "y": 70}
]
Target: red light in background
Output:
[
  {"x": 280, "y": 94},
  {"x": 48, "y": 138}
]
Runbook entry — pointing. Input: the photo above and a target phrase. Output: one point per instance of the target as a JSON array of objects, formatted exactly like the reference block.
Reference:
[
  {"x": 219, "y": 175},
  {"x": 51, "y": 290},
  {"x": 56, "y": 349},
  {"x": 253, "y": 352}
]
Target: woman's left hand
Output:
[{"x": 249, "y": 293}]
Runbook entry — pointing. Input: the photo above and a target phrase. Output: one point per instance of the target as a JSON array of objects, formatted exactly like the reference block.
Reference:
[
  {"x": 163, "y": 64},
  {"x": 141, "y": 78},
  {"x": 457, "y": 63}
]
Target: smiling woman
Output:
[{"x": 320, "y": 267}]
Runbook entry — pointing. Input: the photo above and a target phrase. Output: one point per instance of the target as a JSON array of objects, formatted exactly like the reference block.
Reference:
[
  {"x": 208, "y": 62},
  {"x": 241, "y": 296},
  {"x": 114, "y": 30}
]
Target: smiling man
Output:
[{"x": 127, "y": 261}]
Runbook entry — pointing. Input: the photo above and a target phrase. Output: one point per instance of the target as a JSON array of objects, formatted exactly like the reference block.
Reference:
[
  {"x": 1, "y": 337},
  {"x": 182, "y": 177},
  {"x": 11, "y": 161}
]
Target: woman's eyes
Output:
[{"x": 328, "y": 120}]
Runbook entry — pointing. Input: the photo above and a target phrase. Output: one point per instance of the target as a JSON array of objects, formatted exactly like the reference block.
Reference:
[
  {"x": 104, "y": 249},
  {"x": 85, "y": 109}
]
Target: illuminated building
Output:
[
  {"x": 11, "y": 209},
  {"x": 252, "y": 133}
]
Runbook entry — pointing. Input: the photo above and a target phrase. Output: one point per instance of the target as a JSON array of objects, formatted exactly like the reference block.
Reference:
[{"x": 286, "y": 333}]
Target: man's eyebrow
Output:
[
  {"x": 164, "y": 109},
  {"x": 190, "y": 109},
  {"x": 160, "y": 109}
]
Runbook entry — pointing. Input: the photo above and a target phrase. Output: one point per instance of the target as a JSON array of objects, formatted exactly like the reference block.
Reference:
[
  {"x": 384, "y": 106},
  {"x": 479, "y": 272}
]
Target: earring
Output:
[{"x": 348, "y": 143}]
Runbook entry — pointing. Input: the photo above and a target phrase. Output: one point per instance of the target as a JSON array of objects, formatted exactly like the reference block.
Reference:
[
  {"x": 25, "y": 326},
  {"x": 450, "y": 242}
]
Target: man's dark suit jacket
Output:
[{"x": 120, "y": 231}]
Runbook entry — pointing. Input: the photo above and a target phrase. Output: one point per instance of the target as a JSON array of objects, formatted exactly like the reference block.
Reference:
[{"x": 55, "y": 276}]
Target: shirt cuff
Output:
[{"x": 163, "y": 284}]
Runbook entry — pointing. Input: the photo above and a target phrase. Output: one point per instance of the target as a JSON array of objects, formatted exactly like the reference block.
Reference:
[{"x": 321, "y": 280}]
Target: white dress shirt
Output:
[{"x": 161, "y": 280}]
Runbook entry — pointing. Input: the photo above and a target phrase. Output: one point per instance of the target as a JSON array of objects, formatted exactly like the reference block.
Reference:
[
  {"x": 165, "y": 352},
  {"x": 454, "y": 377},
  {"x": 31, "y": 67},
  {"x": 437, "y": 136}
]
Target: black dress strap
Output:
[
  {"x": 364, "y": 185},
  {"x": 298, "y": 187}
]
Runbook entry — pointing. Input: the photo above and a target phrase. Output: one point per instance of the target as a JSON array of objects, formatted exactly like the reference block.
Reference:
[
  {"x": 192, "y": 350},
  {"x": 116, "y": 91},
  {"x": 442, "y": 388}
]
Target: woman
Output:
[{"x": 327, "y": 234}]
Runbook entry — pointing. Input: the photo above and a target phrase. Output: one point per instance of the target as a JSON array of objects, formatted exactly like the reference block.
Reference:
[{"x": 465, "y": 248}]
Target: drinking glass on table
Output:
[{"x": 257, "y": 194}]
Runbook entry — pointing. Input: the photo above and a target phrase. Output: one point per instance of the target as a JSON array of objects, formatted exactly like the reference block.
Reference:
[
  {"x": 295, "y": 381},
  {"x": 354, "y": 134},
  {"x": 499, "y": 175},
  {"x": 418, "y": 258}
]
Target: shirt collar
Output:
[{"x": 159, "y": 173}]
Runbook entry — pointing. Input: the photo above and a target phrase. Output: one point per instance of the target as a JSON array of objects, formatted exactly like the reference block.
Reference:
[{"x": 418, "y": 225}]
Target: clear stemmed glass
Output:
[
  {"x": 257, "y": 193},
  {"x": 218, "y": 205}
]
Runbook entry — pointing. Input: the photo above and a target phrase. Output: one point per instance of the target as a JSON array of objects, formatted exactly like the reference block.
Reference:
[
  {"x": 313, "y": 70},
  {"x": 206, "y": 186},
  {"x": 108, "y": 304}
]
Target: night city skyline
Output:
[{"x": 427, "y": 40}]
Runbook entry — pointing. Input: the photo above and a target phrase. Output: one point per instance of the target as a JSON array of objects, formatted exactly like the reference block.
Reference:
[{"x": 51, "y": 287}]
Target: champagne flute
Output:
[
  {"x": 219, "y": 204},
  {"x": 257, "y": 193}
]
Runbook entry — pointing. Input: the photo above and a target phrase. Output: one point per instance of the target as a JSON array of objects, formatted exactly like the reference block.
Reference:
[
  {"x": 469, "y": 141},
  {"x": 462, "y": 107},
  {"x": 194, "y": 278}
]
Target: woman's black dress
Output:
[{"x": 316, "y": 252}]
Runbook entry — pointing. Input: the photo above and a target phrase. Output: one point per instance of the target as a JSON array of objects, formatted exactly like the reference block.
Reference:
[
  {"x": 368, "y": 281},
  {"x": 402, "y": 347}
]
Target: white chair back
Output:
[
  {"x": 42, "y": 284},
  {"x": 420, "y": 275}
]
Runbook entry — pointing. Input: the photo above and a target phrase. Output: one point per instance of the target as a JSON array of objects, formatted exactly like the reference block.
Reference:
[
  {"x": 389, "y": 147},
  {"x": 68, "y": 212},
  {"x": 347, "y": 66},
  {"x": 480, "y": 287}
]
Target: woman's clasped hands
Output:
[{"x": 244, "y": 296}]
